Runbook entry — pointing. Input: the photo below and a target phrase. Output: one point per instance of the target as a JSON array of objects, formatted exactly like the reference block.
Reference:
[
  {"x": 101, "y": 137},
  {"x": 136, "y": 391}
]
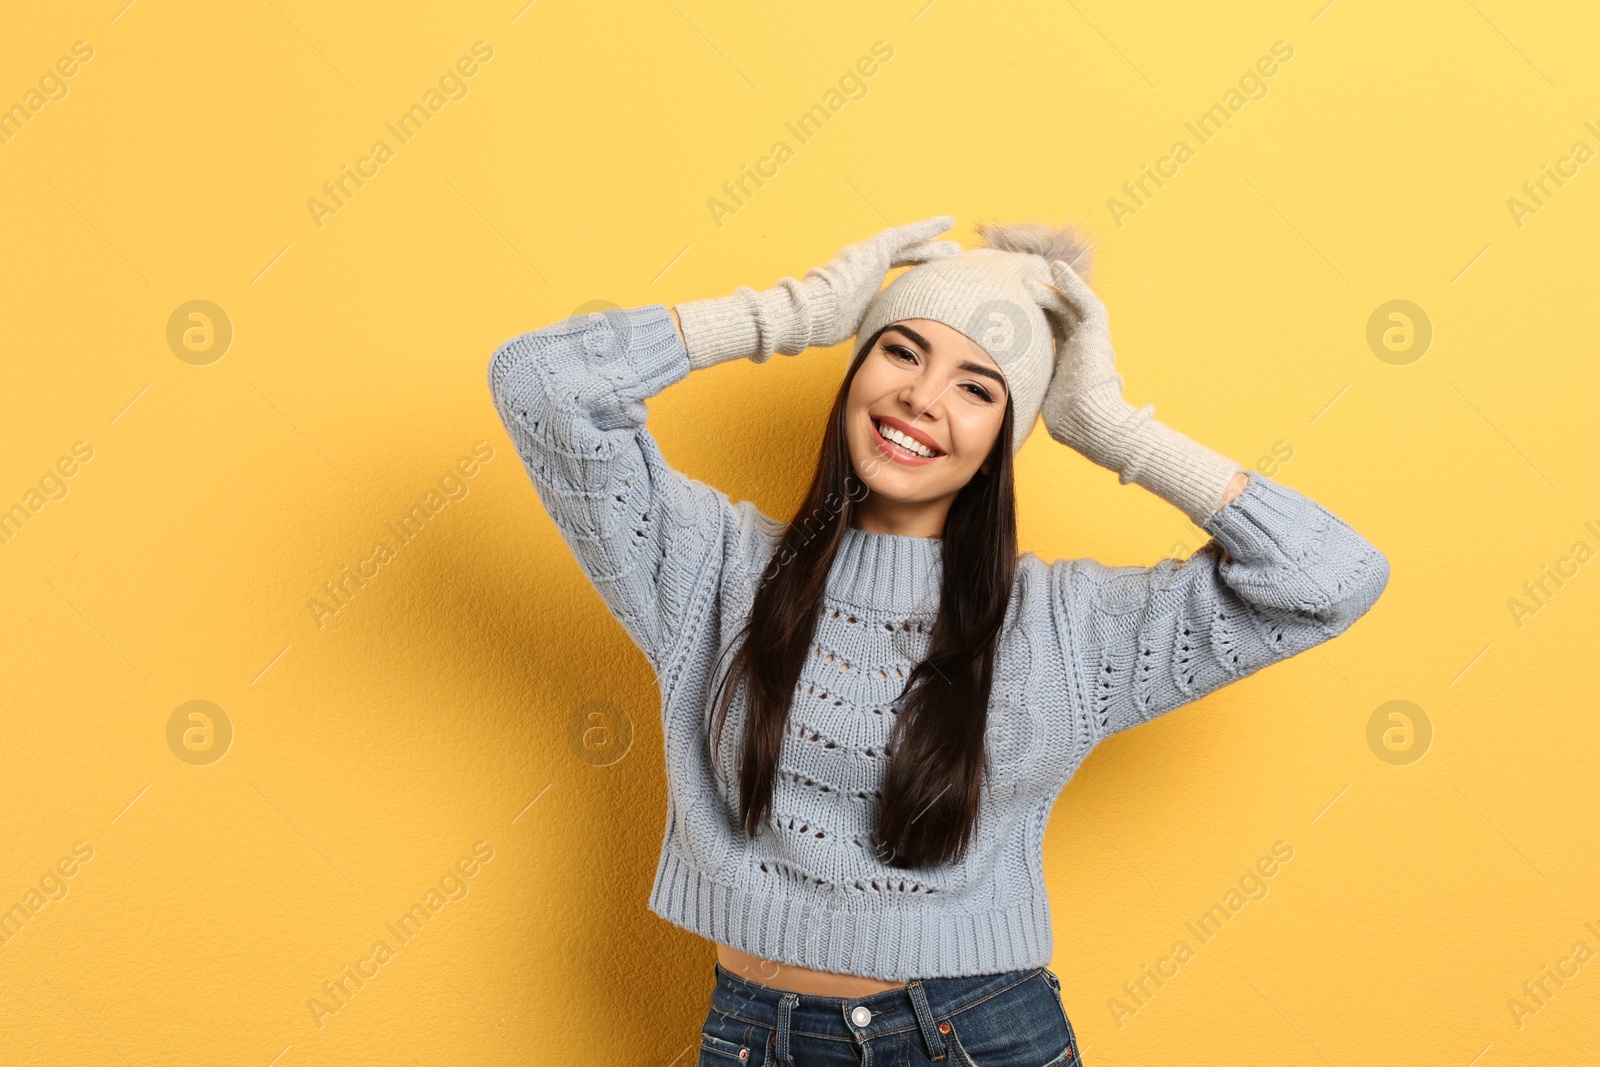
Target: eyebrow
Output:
[{"x": 966, "y": 364}]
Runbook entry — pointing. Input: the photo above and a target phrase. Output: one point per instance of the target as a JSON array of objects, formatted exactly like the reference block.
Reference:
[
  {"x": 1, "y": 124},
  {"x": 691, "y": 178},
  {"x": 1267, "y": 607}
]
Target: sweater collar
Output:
[{"x": 887, "y": 571}]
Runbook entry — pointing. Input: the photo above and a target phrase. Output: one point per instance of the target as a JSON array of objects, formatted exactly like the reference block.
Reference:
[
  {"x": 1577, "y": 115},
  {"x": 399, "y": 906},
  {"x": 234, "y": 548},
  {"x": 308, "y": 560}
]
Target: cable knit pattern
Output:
[{"x": 1087, "y": 650}]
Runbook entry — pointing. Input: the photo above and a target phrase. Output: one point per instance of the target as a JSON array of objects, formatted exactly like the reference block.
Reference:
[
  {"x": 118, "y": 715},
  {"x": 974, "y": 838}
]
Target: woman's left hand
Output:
[
  {"x": 1084, "y": 409},
  {"x": 1083, "y": 406}
]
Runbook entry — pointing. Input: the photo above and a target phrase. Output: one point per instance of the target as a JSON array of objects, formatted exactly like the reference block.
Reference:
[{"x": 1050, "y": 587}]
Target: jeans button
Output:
[{"x": 862, "y": 1015}]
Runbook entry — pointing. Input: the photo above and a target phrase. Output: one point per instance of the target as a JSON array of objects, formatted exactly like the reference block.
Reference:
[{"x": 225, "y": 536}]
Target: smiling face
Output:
[{"x": 930, "y": 389}]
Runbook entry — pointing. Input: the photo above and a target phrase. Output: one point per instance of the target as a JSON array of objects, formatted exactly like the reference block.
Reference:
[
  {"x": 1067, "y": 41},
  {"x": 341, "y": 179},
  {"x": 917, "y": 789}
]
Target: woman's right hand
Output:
[
  {"x": 823, "y": 309},
  {"x": 846, "y": 284}
]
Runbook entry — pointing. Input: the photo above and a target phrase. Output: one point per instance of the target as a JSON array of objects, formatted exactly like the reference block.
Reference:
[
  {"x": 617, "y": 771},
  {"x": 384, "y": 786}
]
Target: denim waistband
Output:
[{"x": 892, "y": 1010}]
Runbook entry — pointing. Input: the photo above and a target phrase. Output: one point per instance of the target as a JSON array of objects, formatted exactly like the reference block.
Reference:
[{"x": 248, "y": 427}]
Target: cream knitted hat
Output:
[{"x": 983, "y": 293}]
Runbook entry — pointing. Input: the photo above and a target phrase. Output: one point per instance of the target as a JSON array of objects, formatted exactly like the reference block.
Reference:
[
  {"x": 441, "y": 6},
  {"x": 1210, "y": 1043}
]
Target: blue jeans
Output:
[{"x": 1013, "y": 1019}]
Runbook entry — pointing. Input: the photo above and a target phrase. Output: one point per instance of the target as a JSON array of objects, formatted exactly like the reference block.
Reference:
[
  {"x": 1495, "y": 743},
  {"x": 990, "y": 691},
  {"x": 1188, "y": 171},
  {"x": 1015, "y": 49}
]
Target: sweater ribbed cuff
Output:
[
  {"x": 1260, "y": 522},
  {"x": 654, "y": 355}
]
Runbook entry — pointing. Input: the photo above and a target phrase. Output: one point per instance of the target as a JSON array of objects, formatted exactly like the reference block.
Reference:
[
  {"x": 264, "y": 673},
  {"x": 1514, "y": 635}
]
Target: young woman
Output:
[{"x": 870, "y": 710}]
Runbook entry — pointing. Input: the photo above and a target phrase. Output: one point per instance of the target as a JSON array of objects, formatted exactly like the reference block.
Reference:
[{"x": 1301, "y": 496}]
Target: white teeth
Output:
[{"x": 910, "y": 444}]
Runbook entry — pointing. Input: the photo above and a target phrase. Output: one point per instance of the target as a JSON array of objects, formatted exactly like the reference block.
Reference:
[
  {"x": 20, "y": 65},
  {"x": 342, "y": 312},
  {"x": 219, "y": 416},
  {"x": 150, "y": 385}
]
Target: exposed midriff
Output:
[{"x": 799, "y": 979}]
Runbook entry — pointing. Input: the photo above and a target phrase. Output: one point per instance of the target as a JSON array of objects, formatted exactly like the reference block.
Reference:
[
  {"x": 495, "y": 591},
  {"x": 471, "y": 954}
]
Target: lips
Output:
[
  {"x": 896, "y": 453},
  {"x": 920, "y": 436}
]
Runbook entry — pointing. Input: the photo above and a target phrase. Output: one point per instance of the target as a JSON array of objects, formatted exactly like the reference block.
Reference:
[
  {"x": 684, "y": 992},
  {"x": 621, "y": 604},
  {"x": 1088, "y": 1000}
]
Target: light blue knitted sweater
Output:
[{"x": 1087, "y": 650}]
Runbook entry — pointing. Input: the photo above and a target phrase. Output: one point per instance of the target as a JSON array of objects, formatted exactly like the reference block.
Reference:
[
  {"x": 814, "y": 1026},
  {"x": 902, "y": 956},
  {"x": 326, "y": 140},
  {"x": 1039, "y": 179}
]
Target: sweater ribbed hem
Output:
[{"x": 895, "y": 946}]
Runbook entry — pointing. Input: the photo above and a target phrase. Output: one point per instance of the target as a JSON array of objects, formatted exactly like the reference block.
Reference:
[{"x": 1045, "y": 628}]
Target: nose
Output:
[{"x": 921, "y": 394}]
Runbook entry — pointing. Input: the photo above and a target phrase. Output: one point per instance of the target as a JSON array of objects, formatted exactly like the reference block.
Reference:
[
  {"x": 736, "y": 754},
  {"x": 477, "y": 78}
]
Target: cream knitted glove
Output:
[
  {"x": 1084, "y": 408},
  {"x": 820, "y": 310}
]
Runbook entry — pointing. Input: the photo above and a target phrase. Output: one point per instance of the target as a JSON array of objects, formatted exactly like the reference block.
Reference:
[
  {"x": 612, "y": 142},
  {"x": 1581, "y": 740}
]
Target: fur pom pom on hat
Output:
[
  {"x": 983, "y": 293},
  {"x": 1050, "y": 242}
]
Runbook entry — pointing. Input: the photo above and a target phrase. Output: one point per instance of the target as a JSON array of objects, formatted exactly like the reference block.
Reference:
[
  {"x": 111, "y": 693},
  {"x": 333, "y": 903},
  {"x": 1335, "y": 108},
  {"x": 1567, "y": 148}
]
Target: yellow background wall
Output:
[{"x": 443, "y": 707}]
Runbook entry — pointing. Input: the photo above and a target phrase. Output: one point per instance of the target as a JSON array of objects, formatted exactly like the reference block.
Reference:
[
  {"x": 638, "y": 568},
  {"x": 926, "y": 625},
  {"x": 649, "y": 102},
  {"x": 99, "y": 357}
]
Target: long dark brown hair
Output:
[{"x": 936, "y": 747}]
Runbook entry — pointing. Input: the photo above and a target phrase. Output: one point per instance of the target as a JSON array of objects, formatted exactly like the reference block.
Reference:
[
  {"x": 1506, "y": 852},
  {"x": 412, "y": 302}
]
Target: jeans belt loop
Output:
[
  {"x": 930, "y": 1034},
  {"x": 785, "y": 1006}
]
